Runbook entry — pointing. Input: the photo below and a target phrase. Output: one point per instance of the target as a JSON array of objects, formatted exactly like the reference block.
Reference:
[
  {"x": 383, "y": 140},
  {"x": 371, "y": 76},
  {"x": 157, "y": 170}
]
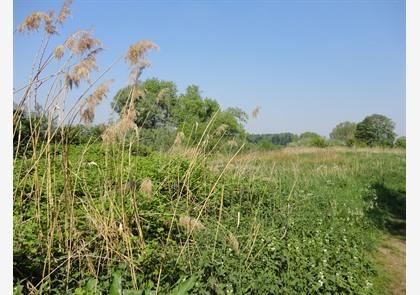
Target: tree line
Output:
[
  {"x": 373, "y": 131},
  {"x": 163, "y": 114}
]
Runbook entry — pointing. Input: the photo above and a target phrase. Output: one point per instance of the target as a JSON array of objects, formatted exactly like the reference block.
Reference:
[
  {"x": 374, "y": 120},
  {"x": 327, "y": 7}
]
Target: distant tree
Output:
[
  {"x": 154, "y": 102},
  {"x": 308, "y": 134},
  {"x": 400, "y": 142},
  {"x": 345, "y": 132},
  {"x": 310, "y": 139},
  {"x": 283, "y": 138},
  {"x": 191, "y": 107},
  {"x": 376, "y": 130}
]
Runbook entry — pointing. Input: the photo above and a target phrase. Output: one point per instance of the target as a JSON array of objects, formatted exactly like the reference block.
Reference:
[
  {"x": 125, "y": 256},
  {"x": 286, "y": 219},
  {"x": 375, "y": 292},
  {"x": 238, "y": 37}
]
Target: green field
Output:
[{"x": 96, "y": 219}]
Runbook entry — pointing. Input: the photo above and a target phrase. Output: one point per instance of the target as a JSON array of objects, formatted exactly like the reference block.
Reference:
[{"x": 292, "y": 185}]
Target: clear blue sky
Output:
[{"x": 308, "y": 64}]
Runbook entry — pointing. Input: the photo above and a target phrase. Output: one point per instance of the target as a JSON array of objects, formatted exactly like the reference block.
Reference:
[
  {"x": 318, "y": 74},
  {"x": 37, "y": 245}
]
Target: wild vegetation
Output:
[{"x": 171, "y": 199}]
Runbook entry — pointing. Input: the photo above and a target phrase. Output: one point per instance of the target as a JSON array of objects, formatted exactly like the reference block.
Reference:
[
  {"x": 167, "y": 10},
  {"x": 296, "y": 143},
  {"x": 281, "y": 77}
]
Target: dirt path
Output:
[{"x": 391, "y": 256}]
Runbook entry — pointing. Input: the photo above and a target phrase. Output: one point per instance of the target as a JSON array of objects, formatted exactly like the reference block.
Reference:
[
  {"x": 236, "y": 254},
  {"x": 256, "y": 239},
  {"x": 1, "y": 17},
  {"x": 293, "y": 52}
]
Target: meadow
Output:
[
  {"x": 100, "y": 220},
  {"x": 172, "y": 198}
]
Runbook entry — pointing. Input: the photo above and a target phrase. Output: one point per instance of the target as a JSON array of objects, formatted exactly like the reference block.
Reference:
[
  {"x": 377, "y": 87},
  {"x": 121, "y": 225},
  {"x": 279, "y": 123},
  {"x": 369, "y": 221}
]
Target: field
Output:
[
  {"x": 172, "y": 195},
  {"x": 107, "y": 219}
]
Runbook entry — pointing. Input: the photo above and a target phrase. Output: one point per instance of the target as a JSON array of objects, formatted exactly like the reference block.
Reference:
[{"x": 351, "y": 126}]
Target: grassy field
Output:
[{"x": 94, "y": 219}]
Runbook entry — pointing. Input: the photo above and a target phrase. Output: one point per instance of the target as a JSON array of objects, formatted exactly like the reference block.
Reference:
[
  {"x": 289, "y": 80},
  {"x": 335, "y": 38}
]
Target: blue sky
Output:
[{"x": 308, "y": 64}]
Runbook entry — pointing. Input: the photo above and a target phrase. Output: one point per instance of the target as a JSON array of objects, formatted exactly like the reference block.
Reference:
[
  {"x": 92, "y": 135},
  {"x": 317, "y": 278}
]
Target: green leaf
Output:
[
  {"x": 183, "y": 287},
  {"x": 116, "y": 287}
]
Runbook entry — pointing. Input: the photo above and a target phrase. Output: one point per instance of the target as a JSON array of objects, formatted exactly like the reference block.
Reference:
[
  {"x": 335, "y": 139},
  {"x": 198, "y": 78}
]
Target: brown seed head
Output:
[
  {"x": 162, "y": 93},
  {"x": 59, "y": 52},
  {"x": 31, "y": 22},
  {"x": 146, "y": 187},
  {"x": 135, "y": 53},
  {"x": 87, "y": 111},
  {"x": 190, "y": 224},
  {"x": 81, "y": 42},
  {"x": 48, "y": 21},
  {"x": 179, "y": 138},
  {"x": 255, "y": 112},
  {"x": 233, "y": 242},
  {"x": 64, "y": 12}
]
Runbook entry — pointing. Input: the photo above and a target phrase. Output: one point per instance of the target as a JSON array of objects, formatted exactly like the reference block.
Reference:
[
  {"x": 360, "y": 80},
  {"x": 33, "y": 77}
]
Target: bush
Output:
[{"x": 400, "y": 142}]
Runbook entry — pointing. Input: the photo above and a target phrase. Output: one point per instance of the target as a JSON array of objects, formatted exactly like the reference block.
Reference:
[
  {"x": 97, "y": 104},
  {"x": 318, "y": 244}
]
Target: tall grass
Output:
[{"x": 97, "y": 217}]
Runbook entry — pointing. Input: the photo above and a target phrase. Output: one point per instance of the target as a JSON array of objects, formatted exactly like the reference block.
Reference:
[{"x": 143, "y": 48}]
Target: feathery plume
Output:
[
  {"x": 64, "y": 12},
  {"x": 59, "y": 52},
  {"x": 135, "y": 57},
  {"x": 136, "y": 52},
  {"x": 190, "y": 224},
  {"x": 146, "y": 187},
  {"x": 48, "y": 23},
  {"x": 179, "y": 138},
  {"x": 255, "y": 112},
  {"x": 162, "y": 94},
  {"x": 233, "y": 242},
  {"x": 81, "y": 42},
  {"x": 81, "y": 71},
  {"x": 87, "y": 111},
  {"x": 221, "y": 129},
  {"x": 31, "y": 22}
]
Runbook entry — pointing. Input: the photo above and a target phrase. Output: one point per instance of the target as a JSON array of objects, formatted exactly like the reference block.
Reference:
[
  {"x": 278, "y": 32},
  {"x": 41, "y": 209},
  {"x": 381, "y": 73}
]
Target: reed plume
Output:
[
  {"x": 87, "y": 111},
  {"x": 255, "y": 112},
  {"x": 190, "y": 224}
]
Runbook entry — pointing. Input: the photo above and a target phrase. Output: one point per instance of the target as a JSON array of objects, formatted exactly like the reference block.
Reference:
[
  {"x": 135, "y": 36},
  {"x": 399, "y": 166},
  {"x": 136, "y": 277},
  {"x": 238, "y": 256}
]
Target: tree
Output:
[
  {"x": 154, "y": 101},
  {"x": 191, "y": 107},
  {"x": 308, "y": 135},
  {"x": 344, "y": 131},
  {"x": 376, "y": 130},
  {"x": 400, "y": 142}
]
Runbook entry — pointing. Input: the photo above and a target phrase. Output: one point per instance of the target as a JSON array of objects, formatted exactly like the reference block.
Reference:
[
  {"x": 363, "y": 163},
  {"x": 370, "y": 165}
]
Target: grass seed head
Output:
[
  {"x": 190, "y": 224},
  {"x": 64, "y": 12},
  {"x": 233, "y": 242},
  {"x": 59, "y": 52},
  {"x": 31, "y": 22},
  {"x": 135, "y": 53},
  {"x": 147, "y": 187},
  {"x": 255, "y": 112}
]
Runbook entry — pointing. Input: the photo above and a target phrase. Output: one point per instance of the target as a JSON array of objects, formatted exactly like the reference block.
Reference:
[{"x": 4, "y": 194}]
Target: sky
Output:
[{"x": 309, "y": 65}]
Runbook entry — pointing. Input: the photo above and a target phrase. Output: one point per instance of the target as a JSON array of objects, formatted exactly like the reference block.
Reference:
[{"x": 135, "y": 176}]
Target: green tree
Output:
[
  {"x": 376, "y": 130},
  {"x": 344, "y": 131},
  {"x": 154, "y": 102},
  {"x": 400, "y": 142},
  {"x": 192, "y": 108}
]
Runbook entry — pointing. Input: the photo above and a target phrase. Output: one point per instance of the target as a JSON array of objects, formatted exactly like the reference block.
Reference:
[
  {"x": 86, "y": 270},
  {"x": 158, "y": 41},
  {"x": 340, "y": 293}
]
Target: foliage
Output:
[
  {"x": 400, "y": 142},
  {"x": 122, "y": 217},
  {"x": 345, "y": 132},
  {"x": 282, "y": 139},
  {"x": 317, "y": 244},
  {"x": 154, "y": 100},
  {"x": 310, "y": 139},
  {"x": 376, "y": 130}
]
